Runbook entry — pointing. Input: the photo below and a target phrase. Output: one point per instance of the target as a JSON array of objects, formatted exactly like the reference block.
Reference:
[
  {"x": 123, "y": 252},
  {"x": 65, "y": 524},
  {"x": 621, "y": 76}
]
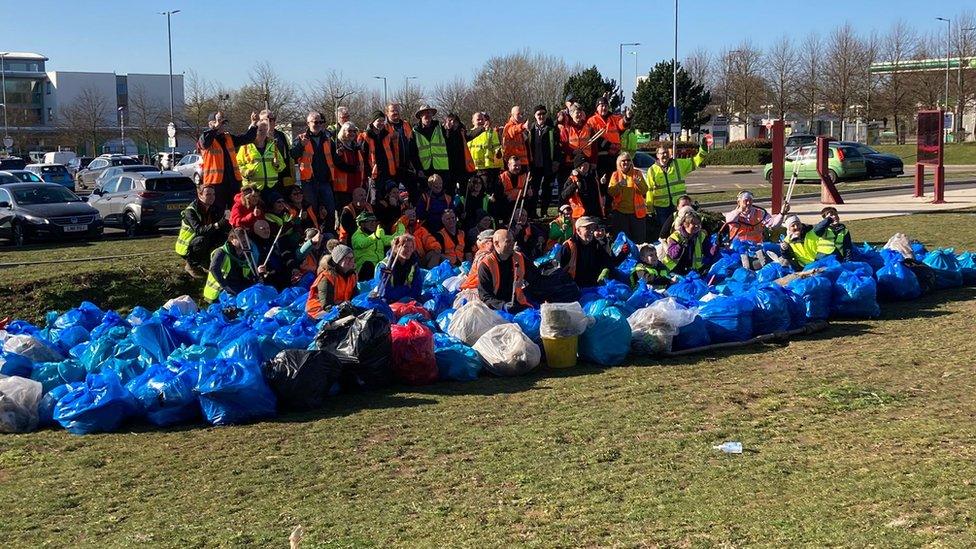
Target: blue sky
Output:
[{"x": 435, "y": 41}]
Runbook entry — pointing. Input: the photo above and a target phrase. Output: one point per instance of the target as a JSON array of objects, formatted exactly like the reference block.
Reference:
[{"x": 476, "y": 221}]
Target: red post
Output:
[
  {"x": 919, "y": 180},
  {"x": 939, "y": 190},
  {"x": 828, "y": 192},
  {"x": 779, "y": 161}
]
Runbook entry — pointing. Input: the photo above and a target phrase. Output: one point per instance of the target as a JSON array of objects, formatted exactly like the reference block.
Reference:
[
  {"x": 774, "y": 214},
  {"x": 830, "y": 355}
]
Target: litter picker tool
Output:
[
  {"x": 793, "y": 180},
  {"x": 274, "y": 243},
  {"x": 248, "y": 253},
  {"x": 596, "y": 136},
  {"x": 380, "y": 289},
  {"x": 519, "y": 198}
]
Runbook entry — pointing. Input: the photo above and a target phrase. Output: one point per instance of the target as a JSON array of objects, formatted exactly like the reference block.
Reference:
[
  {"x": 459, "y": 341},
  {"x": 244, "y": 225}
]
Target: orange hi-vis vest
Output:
[
  {"x": 452, "y": 247},
  {"x": 748, "y": 227},
  {"x": 305, "y": 162},
  {"x": 640, "y": 206},
  {"x": 471, "y": 282},
  {"x": 513, "y": 142},
  {"x": 577, "y": 204},
  {"x": 295, "y": 213},
  {"x": 383, "y": 145},
  {"x": 576, "y": 138},
  {"x": 345, "y": 182},
  {"x": 213, "y": 160},
  {"x": 344, "y": 288},
  {"x": 518, "y": 266},
  {"x": 512, "y": 188},
  {"x": 614, "y": 125}
]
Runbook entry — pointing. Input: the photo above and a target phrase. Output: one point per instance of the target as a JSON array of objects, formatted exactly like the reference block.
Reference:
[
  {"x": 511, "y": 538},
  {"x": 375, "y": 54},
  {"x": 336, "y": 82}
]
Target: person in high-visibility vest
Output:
[
  {"x": 501, "y": 276},
  {"x": 230, "y": 268},
  {"x": 650, "y": 270},
  {"x": 835, "y": 238},
  {"x": 582, "y": 191},
  {"x": 259, "y": 162},
  {"x": 799, "y": 247},
  {"x": 335, "y": 282},
  {"x": 202, "y": 228},
  {"x": 431, "y": 144},
  {"x": 218, "y": 156},
  {"x": 286, "y": 172},
  {"x": 315, "y": 151},
  {"x": 544, "y": 152},
  {"x": 514, "y": 135},
  {"x": 627, "y": 189},
  {"x": 608, "y": 144},
  {"x": 485, "y": 146},
  {"x": 748, "y": 223},
  {"x": 585, "y": 258},
  {"x": 687, "y": 248},
  {"x": 667, "y": 180}
]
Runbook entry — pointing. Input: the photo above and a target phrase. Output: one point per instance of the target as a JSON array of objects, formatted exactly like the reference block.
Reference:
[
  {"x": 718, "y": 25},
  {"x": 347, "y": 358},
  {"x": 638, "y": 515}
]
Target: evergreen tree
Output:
[
  {"x": 653, "y": 97},
  {"x": 589, "y": 85}
]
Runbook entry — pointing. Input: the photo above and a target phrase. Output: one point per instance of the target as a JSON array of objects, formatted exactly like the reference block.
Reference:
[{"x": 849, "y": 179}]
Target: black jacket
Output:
[
  {"x": 320, "y": 165},
  {"x": 591, "y": 259}
]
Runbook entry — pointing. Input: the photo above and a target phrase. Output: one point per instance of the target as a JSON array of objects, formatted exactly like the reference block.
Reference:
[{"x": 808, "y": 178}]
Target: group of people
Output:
[{"x": 351, "y": 205}]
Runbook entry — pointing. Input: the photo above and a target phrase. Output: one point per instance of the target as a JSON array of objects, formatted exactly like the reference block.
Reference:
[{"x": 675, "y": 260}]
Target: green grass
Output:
[
  {"x": 955, "y": 153},
  {"x": 860, "y": 435}
]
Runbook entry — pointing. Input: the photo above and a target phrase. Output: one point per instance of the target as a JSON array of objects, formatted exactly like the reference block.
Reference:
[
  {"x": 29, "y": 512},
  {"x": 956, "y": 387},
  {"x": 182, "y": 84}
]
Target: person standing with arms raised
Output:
[{"x": 218, "y": 152}]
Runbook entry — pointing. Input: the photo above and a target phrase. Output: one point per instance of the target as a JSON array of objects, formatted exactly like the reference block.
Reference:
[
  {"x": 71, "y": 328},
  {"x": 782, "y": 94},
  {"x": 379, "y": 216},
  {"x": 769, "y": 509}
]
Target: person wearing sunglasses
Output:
[{"x": 315, "y": 151}]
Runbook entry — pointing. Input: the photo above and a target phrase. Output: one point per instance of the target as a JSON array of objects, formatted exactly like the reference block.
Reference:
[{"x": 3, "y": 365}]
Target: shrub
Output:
[
  {"x": 685, "y": 148},
  {"x": 754, "y": 143},
  {"x": 738, "y": 157}
]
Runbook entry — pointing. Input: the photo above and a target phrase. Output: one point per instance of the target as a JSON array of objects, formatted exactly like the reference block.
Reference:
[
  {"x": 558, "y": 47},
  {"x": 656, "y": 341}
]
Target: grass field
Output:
[
  {"x": 859, "y": 435},
  {"x": 955, "y": 153}
]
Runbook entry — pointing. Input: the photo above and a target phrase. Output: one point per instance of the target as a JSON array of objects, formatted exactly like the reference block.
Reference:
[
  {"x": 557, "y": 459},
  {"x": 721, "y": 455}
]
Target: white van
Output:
[{"x": 59, "y": 157}]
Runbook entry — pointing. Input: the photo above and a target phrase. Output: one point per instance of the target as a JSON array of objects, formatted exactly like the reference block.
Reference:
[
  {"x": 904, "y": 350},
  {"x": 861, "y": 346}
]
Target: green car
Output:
[{"x": 844, "y": 162}]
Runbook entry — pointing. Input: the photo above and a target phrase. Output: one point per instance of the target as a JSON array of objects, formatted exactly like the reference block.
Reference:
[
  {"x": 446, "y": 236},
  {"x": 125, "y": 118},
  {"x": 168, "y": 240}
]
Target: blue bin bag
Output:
[
  {"x": 530, "y": 320},
  {"x": 155, "y": 340},
  {"x": 86, "y": 315},
  {"x": 52, "y": 374},
  {"x": 855, "y": 296},
  {"x": 138, "y": 315},
  {"x": 70, "y": 337},
  {"x": 288, "y": 296},
  {"x": 607, "y": 341},
  {"x": 440, "y": 273},
  {"x": 22, "y": 327},
  {"x": 365, "y": 286},
  {"x": 891, "y": 255},
  {"x": 830, "y": 265},
  {"x": 444, "y": 319},
  {"x": 99, "y": 405},
  {"x": 166, "y": 397},
  {"x": 741, "y": 282},
  {"x": 947, "y": 271},
  {"x": 771, "y": 272},
  {"x": 692, "y": 336},
  {"x": 689, "y": 288},
  {"x": 967, "y": 266},
  {"x": 896, "y": 282},
  {"x": 642, "y": 296},
  {"x": 728, "y": 318},
  {"x": 305, "y": 282},
  {"x": 815, "y": 293},
  {"x": 618, "y": 243},
  {"x": 366, "y": 302},
  {"x": 191, "y": 356},
  {"x": 798, "y": 310},
  {"x": 125, "y": 368},
  {"x": 624, "y": 270},
  {"x": 110, "y": 320},
  {"x": 919, "y": 250},
  {"x": 12, "y": 364},
  {"x": 233, "y": 392},
  {"x": 868, "y": 254},
  {"x": 772, "y": 311},
  {"x": 296, "y": 336},
  {"x": 45, "y": 408},
  {"x": 723, "y": 267},
  {"x": 455, "y": 360},
  {"x": 614, "y": 291},
  {"x": 440, "y": 300},
  {"x": 231, "y": 332},
  {"x": 246, "y": 349},
  {"x": 549, "y": 257},
  {"x": 258, "y": 294}
]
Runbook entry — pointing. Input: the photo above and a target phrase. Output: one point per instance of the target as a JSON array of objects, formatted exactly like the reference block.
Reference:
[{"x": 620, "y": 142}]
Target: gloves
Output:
[
  {"x": 784, "y": 245},
  {"x": 625, "y": 249}
]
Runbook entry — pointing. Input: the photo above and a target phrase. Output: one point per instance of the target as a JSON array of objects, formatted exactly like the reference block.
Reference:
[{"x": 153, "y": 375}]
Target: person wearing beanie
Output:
[
  {"x": 335, "y": 282},
  {"x": 379, "y": 149},
  {"x": 582, "y": 191},
  {"x": 835, "y": 237},
  {"x": 799, "y": 246}
]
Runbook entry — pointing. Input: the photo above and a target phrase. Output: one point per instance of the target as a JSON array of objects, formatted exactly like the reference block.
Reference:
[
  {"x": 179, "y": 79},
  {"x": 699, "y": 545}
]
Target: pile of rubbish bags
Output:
[{"x": 247, "y": 357}]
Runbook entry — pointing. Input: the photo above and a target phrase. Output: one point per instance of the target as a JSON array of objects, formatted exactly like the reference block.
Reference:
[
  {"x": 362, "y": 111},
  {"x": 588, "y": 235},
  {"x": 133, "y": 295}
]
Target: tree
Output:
[
  {"x": 146, "y": 119},
  {"x": 199, "y": 100},
  {"x": 782, "y": 66},
  {"x": 333, "y": 91},
  {"x": 589, "y": 85},
  {"x": 844, "y": 73},
  {"x": 809, "y": 89},
  {"x": 84, "y": 120},
  {"x": 963, "y": 39},
  {"x": 699, "y": 65},
  {"x": 746, "y": 87},
  {"x": 454, "y": 96},
  {"x": 522, "y": 78},
  {"x": 898, "y": 45},
  {"x": 653, "y": 97},
  {"x": 410, "y": 97}
]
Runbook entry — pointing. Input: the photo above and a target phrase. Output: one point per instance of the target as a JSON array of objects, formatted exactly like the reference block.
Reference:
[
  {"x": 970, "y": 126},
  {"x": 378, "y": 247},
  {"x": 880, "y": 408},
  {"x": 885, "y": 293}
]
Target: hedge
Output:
[
  {"x": 685, "y": 148},
  {"x": 738, "y": 157},
  {"x": 754, "y": 143}
]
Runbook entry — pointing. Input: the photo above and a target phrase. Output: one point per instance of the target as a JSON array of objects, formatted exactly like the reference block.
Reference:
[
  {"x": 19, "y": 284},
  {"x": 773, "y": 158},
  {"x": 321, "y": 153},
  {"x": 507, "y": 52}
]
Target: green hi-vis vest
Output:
[
  {"x": 652, "y": 271},
  {"x": 484, "y": 149},
  {"x": 183, "y": 239},
  {"x": 258, "y": 167},
  {"x": 628, "y": 142},
  {"x": 696, "y": 261},
  {"x": 665, "y": 186},
  {"x": 212, "y": 289},
  {"x": 831, "y": 242},
  {"x": 433, "y": 153},
  {"x": 805, "y": 251}
]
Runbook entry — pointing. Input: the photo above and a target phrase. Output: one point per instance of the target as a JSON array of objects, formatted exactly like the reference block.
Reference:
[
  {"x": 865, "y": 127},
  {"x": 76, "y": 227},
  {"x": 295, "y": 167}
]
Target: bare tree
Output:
[
  {"x": 809, "y": 90},
  {"x": 410, "y": 96},
  {"x": 963, "y": 41},
  {"x": 84, "y": 120},
  {"x": 522, "y": 78},
  {"x": 335, "y": 90},
  {"x": 782, "y": 64},
  {"x": 199, "y": 100},
  {"x": 698, "y": 64},
  {"x": 454, "y": 96},
  {"x": 146, "y": 118},
  {"x": 747, "y": 88},
  {"x": 898, "y": 46},
  {"x": 844, "y": 75}
]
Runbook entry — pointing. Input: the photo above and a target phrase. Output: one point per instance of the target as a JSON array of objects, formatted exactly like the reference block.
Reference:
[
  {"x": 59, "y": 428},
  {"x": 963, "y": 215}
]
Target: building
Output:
[{"x": 38, "y": 102}]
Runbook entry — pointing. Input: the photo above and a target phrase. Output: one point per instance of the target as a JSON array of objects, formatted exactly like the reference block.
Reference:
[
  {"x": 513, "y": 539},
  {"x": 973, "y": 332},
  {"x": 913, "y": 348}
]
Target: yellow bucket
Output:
[{"x": 560, "y": 351}]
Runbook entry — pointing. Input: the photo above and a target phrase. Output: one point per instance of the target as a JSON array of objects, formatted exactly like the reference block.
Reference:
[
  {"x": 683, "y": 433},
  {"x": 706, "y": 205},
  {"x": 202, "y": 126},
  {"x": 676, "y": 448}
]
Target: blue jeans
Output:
[{"x": 319, "y": 194}]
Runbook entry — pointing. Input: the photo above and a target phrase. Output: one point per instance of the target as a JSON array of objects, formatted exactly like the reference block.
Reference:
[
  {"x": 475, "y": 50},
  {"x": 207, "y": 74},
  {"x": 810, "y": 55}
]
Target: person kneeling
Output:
[
  {"x": 501, "y": 276},
  {"x": 230, "y": 268},
  {"x": 335, "y": 283},
  {"x": 686, "y": 247}
]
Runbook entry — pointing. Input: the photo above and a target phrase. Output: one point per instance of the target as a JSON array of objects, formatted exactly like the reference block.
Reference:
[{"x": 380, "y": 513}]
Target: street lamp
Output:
[
  {"x": 620, "y": 74},
  {"x": 674, "y": 81},
  {"x": 122, "y": 128},
  {"x": 169, "y": 39},
  {"x": 948, "y": 45},
  {"x": 386, "y": 99},
  {"x": 3, "y": 84},
  {"x": 634, "y": 53}
]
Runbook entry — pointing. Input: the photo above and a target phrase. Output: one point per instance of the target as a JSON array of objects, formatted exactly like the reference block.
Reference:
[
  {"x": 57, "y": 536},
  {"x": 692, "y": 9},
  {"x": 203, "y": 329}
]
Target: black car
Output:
[
  {"x": 878, "y": 164},
  {"x": 45, "y": 210},
  {"x": 12, "y": 163}
]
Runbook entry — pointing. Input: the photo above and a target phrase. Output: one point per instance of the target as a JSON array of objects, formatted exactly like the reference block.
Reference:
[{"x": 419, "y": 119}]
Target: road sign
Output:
[
  {"x": 171, "y": 142},
  {"x": 8, "y": 142},
  {"x": 674, "y": 115},
  {"x": 708, "y": 140},
  {"x": 948, "y": 119},
  {"x": 171, "y": 129},
  {"x": 676, "y": 127}
]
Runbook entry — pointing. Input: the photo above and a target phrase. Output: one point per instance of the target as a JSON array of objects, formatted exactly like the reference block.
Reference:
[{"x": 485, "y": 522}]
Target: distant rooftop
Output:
[{"x": 25, "y": 55}]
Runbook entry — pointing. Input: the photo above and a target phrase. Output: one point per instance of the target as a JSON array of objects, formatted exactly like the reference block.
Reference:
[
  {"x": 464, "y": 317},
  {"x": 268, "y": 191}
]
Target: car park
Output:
[
  {"x": 845, "y": 162},
  {"x": 78, "y": 163},
  {"x": 12, "y": 163},
  {"x": 116, "y": 170},
  {"x": 140, "y": 202},
  {"x": 797, "y": 140},
  {"x": 85, "y": 178},
  {"x": 191, "y": 166},
  {"x": 24, "y": 176},
  {"x": 45, "y": 210},
  {"x": 52, "y": 173}
]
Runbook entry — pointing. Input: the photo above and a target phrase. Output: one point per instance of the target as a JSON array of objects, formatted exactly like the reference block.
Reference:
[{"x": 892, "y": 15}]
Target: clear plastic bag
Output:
[
  {"x": 562, "y": 320},
  {"x": 900, "y": 243},
  {"x": 181, "y": 306},
  {"x": 653, "y": 328},
  {"x": 33, "y": 348},
  {"x": 472, "y": 320},
  {"x": 19, "y": 398},
  {"x": 508, "y": 351}
]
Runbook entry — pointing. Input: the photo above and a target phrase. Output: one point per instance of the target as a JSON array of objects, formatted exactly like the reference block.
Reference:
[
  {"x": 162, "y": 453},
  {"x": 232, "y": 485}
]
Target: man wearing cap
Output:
[
  {"x": 379, "y": 146},
  {"x": 584, "y": 258},
  {"x": 335, "y": 282},
  {"x": 483, "y": 247},
  {"x": 666, "y": 179},
  {"x": 501, "y": 276},
  {"x": 608, "y": 144},
  {"x": 582, "y": 191},
  {"x": 543, "y": 161},
  {"x": 369, "y": 243},
  {"x": 431, "y": 144},
  {"x": 218, "y": 156},
  {"x": 748, "y": 223},
  {"x": 315, "y": 151},
  {"x": 513, "y": 137}
]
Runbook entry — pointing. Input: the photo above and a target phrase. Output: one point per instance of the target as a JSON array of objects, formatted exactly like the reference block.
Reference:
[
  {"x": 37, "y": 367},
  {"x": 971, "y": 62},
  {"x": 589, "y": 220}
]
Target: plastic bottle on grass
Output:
[{"x": 730, "y": 447}]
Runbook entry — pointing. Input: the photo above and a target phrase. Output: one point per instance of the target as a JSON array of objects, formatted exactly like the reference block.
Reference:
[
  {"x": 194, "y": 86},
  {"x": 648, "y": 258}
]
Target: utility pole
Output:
[
  {"x": 674, "y": 81},
  {"x": 948, "y": 47},
  {"x": 122, "y": 129},
  {"x": 386, "y": 98},
  {"x": 620, "y": 73}
]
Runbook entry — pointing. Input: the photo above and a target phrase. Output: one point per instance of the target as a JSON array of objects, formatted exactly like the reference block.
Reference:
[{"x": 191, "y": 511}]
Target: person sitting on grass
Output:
[
  {"x": 687, "y": 246},
  {"x": 335, "y": 282},
  {"x": 748, "y": 223},
  {"x": 247, "y": 208},
  {"x": 586, "y": 258},
  {"x": 667, "y": 224},
  {"x": 835, "y": 238},
  {"x": 400, "y": 277},
  {"x": 277, "y": 258},
  {"x": 501, "y": 275},
  {"x": 484, "y": 247},
  {"x": 231, "y": 269},
  {"x": 799, "y": 247},
  {"x": 202, "y": 229},
  {"x": 369, "y": 244},
  {"x": 649, "y": 271}
]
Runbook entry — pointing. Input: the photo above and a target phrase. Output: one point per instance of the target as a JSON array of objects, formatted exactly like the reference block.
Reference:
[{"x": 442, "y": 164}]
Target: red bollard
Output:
[
  {"x": 939, "y": 188},
  {"x": 919, "y": 180}
]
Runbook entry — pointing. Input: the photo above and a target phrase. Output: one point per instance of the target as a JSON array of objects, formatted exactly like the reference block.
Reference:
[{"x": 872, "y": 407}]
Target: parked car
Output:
[
  {"x": 6, "y": 178},
  {"x": 53, "y": 173},
  {"x": 24, "y": 176},
  {"x": 191, "y": 166},
  {"x": 79, "y": 163},
  {"x": 85, "y": 179},
  {"x": 116, "y": 170},
  {"x": 58, "y": 157},
  {"x": 878, "y": 164},
  {"x": 643, "y": 160},
  {"x": 12, "y": 163},
  {"x": 797, "y": 140},
  {"x": 138, "y": 202},
  {"x": 843, "y": 162},
  {"x": 45, "y": 210},
  {"x": 166, "y": 160}
]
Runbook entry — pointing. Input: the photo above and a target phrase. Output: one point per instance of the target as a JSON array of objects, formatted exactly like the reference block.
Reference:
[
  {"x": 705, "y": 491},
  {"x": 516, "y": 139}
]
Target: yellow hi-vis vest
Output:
[
  {"x": 484, "y": 150},
  {"x": 805, "y": 251},
  {"x": 257, "y": 167},
  {"x": 831, "y": 242},
  {"x": 211, "y": 291},
  {"x": 696, "y": 260},
  {"x": 433, "y": 153},
  {"x": 665, "y": 186}
]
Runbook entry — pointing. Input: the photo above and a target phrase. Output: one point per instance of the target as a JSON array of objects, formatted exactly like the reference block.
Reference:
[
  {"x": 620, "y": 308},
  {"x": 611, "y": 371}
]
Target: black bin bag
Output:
[
  {"x": 363, "y": 348},
  {"x": 301, "y": 379}
]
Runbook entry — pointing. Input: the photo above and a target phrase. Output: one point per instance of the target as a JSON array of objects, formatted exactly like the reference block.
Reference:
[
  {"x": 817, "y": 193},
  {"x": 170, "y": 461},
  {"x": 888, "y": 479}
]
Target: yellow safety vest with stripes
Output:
[
  {"x": 211, "y": 291},
  {"x": 433, "y": 153}
]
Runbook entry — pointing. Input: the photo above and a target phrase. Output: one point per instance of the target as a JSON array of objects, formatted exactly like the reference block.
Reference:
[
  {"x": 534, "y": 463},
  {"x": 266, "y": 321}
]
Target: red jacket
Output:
[{"x": 241, "y": 216}]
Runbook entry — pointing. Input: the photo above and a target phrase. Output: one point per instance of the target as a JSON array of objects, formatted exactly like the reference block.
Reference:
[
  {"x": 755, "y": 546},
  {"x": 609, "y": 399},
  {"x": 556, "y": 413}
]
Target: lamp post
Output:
[
  {"x": 948, "y": 45},
  {"x": 674, "y": 81},
  {"x": 3, "y": 84},
  {"x": 620, "y": 73},
  {"x": 386, "y": 98},
  {"x": 122, "y": 129},
  {"x": 169, "y": 40}
]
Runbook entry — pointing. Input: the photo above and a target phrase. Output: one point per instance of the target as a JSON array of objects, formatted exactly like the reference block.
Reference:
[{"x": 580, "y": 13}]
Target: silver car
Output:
[
  {"x": 191, "y": 166},
  {"x": 141, "y": 202}
]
